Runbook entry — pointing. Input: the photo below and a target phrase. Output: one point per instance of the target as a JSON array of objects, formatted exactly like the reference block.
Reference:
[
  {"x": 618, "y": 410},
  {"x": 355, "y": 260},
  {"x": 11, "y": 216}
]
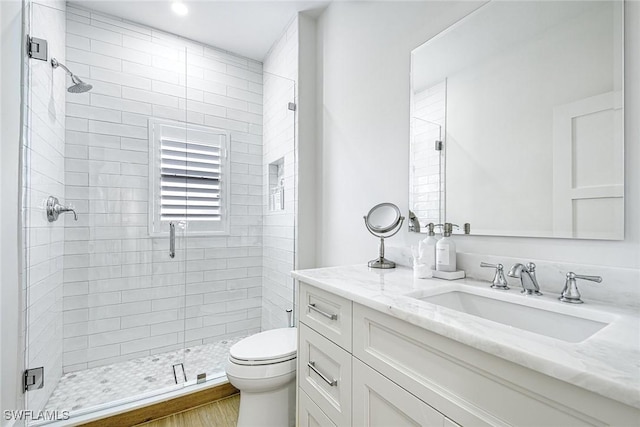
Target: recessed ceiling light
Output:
[{"x": 179, "y": 8}]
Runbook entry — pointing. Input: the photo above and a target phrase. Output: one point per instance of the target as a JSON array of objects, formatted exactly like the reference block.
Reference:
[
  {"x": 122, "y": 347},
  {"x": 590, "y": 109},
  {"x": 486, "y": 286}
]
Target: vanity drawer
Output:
[
  {"x": 309, "y": 415},
  {"x": 328, "y": 314},
  {"x": 324, "y": 373},
  {"x": 378, "y": 401}
]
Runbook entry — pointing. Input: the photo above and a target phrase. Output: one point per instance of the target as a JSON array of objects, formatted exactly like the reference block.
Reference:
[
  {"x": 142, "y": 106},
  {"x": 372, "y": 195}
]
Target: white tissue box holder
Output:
[{"x": 449, "y": 275}]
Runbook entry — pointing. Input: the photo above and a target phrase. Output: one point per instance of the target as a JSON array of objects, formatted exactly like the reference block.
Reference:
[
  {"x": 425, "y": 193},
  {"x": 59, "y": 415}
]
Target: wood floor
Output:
[{"x": 222, "y": 413}]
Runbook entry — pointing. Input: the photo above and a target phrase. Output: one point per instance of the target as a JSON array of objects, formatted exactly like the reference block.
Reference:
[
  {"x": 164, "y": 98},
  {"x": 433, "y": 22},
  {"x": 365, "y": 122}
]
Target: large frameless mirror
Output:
[{"x": 517, "y": 122}]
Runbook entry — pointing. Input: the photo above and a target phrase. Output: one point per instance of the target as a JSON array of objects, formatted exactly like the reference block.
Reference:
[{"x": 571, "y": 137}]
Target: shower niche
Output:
[{"x": 276, "y": 185}]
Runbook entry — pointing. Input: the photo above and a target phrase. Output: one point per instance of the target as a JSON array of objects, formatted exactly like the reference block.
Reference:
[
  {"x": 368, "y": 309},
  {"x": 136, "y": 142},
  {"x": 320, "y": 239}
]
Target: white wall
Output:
[
  {"x": 11, "y": 363},
  {"x": 363, "y": 107},
  {"x": 363, "y": 60},
  {"x": 306, "y": 141},
  {"x": 280, "y": 84},
  {"x": 124, "y": 297}
]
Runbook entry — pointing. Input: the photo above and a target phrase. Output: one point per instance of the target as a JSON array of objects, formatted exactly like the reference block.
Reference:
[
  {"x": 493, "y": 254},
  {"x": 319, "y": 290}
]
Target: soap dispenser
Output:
[
  {"x": 446, "y": 250},
  {"x": 429, "y": 244}
]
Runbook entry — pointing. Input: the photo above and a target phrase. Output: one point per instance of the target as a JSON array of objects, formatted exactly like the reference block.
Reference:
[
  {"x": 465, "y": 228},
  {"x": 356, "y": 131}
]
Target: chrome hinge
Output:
[
  {"x": 292, "y": 106},
  {"x": 438, "y": 146},
  {"x": 201, "y": 378},
  {"x": 34, "y": 379},
  {"x": 37, "y": 48}
]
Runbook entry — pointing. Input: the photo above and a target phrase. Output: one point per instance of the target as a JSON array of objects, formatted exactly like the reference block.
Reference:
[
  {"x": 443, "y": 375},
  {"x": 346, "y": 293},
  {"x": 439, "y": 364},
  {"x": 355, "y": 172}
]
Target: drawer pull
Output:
[
  {"x": 312, "y": 365},
  {"x": 324, "y": 313}
]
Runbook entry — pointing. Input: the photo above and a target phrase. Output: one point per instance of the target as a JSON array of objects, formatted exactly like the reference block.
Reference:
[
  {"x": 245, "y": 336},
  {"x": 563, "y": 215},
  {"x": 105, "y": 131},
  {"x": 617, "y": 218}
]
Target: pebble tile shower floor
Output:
[{"x": 104, "y": 384}]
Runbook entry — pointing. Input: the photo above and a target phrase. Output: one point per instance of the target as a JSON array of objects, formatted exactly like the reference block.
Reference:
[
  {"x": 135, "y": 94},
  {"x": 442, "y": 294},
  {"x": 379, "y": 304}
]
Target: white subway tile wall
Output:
[
  {"x": 43, "y": 164},
  {"x": 123, "y": 296},
  {"x": 280, "y": 82}
]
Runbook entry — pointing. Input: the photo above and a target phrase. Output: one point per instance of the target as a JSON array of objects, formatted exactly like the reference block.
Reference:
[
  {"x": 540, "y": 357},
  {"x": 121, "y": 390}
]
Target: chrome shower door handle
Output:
[{"x": 172, "y": 240}]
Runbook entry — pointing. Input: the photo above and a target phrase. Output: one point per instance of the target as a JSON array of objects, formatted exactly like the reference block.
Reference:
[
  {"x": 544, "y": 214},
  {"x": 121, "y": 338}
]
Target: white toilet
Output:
[{"x": 263, "y": 368}]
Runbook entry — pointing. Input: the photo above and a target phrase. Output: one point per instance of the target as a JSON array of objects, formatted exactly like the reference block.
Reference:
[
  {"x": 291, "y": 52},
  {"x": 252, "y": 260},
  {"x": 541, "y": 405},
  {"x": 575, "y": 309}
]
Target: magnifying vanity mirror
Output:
[
  {"x": 517, "y": 121},
  {"x": 383, "y": 220}
]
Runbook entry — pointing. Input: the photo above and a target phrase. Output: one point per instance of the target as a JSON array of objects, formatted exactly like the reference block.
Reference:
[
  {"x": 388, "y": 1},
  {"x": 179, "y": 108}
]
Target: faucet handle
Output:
[
  {"x": 54, "y": 209},
  {"x": 570, "y": 292},
  {"x": 499, "y": 281},
  {"x": 597, "y": 279},
  {"x": 486, "y": 264}
]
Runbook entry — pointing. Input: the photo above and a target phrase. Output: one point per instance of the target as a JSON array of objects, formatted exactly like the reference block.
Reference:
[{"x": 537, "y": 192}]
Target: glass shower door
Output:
[
  {"x": 42, "y": 169},
  {"x": 104, "y": 297},
  {"x": 245, "y": 252},
  {"x": 208, "y": 224},
  {"x": 279, "y": 198}
]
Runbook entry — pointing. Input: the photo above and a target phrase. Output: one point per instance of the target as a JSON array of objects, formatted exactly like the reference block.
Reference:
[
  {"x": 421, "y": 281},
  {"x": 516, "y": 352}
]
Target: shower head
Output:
[{"x": 78, "y": 85}]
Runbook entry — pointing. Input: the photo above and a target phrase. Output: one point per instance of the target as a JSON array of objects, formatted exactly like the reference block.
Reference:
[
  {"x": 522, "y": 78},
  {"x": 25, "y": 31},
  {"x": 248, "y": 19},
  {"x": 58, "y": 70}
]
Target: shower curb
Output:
[{"x": 166, "y": 407}]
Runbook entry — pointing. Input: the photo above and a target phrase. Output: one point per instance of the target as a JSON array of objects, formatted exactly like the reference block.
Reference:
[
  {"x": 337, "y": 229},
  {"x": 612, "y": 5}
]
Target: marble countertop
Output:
[{"x": 607, "y": 363}]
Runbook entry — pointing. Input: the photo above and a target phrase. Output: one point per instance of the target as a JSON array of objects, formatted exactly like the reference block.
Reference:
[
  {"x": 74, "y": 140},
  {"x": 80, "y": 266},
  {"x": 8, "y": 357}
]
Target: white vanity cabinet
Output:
[
  {"x": 337, "y": 389},
  {"x": 361, "y": 367}
]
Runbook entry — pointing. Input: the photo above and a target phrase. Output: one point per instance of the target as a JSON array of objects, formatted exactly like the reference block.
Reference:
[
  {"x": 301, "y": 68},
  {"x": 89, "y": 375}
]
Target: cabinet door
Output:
[
  {"x": 378, "y": 401},
  {"x": 309, "y": 415}
]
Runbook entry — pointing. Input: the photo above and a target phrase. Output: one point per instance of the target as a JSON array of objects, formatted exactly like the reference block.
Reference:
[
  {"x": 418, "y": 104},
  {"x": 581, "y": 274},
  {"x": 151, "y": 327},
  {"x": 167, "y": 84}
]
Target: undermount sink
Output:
[{"x": 552, "y": 324}]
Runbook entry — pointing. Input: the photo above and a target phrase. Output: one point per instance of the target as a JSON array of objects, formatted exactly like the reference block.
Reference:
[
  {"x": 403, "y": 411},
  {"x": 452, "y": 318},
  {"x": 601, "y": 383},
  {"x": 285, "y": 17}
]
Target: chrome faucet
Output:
[{"x": 527, "y": 276}]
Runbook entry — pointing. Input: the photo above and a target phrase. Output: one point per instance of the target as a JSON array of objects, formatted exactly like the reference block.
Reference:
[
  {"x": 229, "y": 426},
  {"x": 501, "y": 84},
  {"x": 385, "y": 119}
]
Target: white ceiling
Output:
[{"x": 248, "y": 28}]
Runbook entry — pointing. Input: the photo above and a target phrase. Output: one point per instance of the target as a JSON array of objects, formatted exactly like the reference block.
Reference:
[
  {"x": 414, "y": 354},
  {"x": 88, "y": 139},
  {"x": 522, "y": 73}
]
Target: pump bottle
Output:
[
  {"x": 429, "y": 244},
  {"x": 446, "y": 250}
]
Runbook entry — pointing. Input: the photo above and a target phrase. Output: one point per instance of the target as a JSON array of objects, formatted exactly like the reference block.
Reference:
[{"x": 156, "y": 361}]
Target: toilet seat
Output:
[
  {"x": 258, "y": 373},
  {"x": 260, "y": 362},
  {"x": 266, "y": 348}
]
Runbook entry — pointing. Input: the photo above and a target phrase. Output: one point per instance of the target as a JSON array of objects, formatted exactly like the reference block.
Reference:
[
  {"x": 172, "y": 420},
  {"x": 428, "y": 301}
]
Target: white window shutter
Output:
[{"x": 190, "y": 175}]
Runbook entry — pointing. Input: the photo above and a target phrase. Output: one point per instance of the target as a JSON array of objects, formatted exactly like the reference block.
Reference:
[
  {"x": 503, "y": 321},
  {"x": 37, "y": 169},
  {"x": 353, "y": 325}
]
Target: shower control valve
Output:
[{"x": 54, "y": 209}]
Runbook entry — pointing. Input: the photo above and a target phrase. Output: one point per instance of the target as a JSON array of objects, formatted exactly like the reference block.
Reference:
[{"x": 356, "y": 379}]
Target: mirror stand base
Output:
[{"x": 381, "y": 263}]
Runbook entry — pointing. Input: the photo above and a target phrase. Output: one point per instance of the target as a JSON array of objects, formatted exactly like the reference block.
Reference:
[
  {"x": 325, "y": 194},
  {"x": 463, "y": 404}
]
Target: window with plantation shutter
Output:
[
  {"x": 190, "y": 181},
  {"x": 188, "y": 178}
]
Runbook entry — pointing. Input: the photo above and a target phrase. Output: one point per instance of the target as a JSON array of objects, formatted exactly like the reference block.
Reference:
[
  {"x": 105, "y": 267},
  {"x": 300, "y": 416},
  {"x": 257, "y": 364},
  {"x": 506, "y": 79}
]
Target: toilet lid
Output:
[{"x": 266, "y": 346}]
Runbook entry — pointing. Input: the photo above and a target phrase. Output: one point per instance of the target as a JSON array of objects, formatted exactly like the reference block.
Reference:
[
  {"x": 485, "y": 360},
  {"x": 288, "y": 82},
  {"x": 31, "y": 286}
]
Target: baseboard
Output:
[{"x": 166, "y": 407}]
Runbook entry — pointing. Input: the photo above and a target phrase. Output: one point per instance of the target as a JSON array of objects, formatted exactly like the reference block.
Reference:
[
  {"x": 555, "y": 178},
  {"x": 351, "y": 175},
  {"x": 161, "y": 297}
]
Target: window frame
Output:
[{"x": 156, "y": 226}]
